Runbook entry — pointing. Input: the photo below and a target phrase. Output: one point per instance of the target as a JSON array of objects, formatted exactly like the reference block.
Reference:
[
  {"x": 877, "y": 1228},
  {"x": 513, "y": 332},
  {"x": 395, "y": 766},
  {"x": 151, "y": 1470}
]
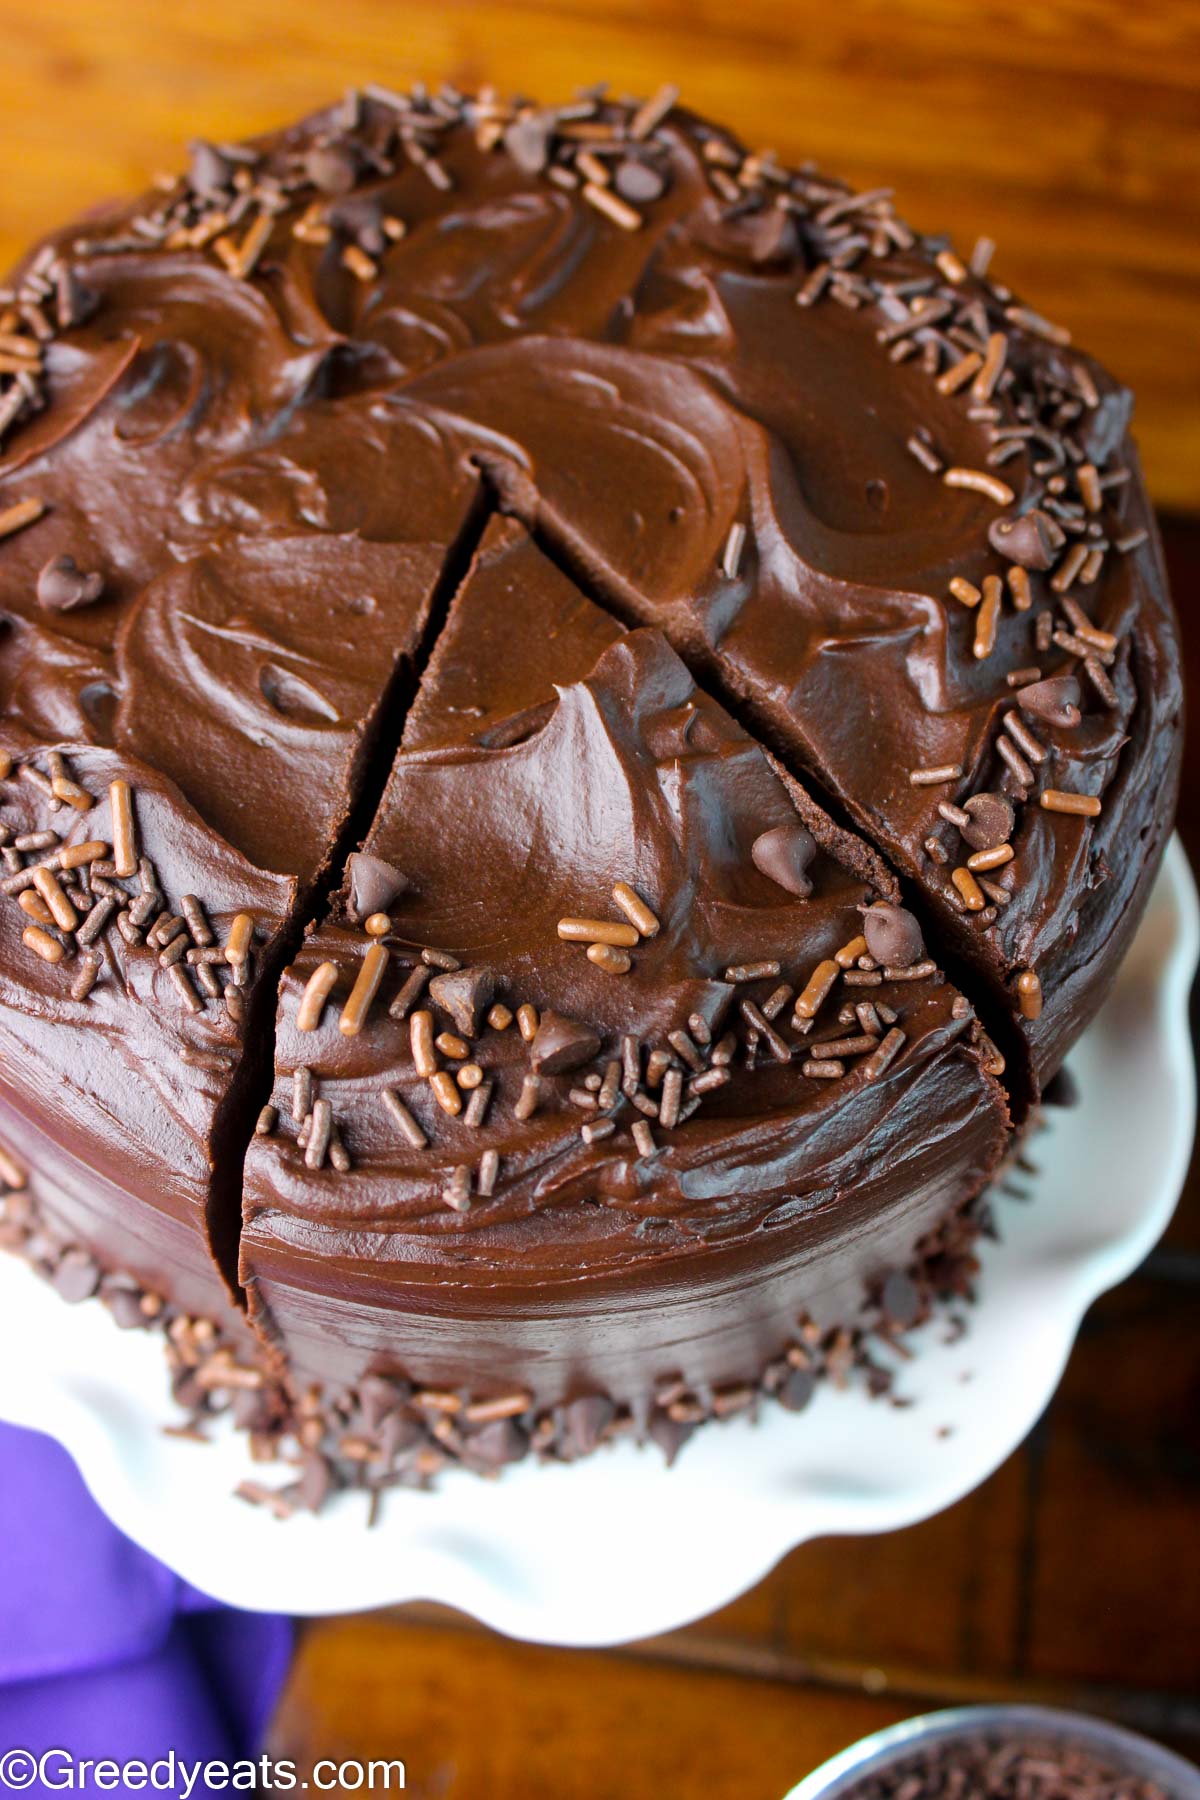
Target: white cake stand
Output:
[{"x": 617, "y": 1547}]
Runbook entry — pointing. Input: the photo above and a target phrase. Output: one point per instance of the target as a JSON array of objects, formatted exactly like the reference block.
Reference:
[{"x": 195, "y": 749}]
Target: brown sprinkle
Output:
[
  {"x": 23, "y": 513},
  {"x": 849, "y": 953},
  {"x": 42, "y": 944},
  {"x": 643, "y": 1138},
  {"x": 489, "y": 1169},
  {"x": 1029, "y": 993},
  {"x": 882, "y": 1058},
  {"x": 527, "y": 1022},
  {"x": 613, "y": 207},
  {"x": 446, "y": 1092},
  {"x": 959, "y": 373},
  {"x": 187, "y": 993},
  {"x": 965, "y": 591},
  {"x": 499, "y": 1017},
  {"x": 635, "y": 909},
  {"x": 609, "y": 959},
  {"x": 935, "y": 776},
  {"x": 237, "y": 944},
  {"x": 420, "y": 1032},
  {"x": 451, "y": 1045},
  {"x": 124, "y": 844},
  {"x": 409, "y": 1126},
  {"x": 527, "y": 1100},
  {"x": 85, "y": 977},
  {"x": 74, "y": 856},
  {"x": 980, "y": 482},
  {"x": 816, "y": 989},
  {"x": 410, "y": 992},
  {"x": 756, "y": 971},
  {"x": 823, "y": 1070},
  {"x": 317, "y": 990},
  {"x": 969, "y": 889},
  {"x": 457, "y": 1191},
  {"x": 598, "y": 931},
  {"x": 990, "y": 859},
  {"x": 1084, "y": 806},
  {"x": 377, "y": 925},
  {"x": 988, "y": 616}
]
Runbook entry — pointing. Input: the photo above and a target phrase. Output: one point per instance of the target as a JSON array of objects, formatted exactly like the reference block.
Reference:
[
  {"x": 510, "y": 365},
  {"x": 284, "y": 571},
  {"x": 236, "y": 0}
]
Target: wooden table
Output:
[{"x": 1072, "y": 1576}]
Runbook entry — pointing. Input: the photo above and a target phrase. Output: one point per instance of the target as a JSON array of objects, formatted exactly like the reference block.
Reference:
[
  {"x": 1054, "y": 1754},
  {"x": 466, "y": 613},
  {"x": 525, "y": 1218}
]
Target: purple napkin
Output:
[{"x": 103, "y": 1652}]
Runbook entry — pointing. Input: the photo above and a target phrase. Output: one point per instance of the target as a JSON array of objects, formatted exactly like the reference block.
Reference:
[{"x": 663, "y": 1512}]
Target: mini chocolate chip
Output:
[
  {"x": 378, "y": 1397},
  {"x": 73, "y": 302},
  {"x": 797, "y": 1389},
  {"x": 784, "y": 854},
  {"x": 360, "y": 217},
  {"x": 528, "y": 143},
  {"x": 560, "y": 1044},
  {"x": 316, "y": 1481},
  {"x": 497, "y": 1444},
  {"x": 900, "y": 1300},
  {"x": 62, "y": 586},
  {"x": 374, "y": 885},
  {"x": 585, "y": 1422},
  {"x": 893, "y": 935},
  {"x": 466, "y": 995},
  {"x": 1056, "y": 700},
  {"x": 670, "y": 1435},
  {"x": 639, "y": 181},
  {"x": 209, "y": 171},
  {"x": 333, "y": 168},
  {"x": 76, "y": 1276},
  {"x": 992, "y": 820},
  {"x": 1027, "y": 540}
]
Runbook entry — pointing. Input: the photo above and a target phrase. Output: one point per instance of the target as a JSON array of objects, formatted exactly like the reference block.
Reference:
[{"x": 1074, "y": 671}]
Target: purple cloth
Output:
[{"x": 103, "y": 1651}]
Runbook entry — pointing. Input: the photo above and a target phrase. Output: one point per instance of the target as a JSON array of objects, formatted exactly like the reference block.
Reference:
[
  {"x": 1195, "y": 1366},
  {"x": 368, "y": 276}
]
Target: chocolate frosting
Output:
[
  {"x": 632, "y": 773},
  {"x": 854, "y": 496}
]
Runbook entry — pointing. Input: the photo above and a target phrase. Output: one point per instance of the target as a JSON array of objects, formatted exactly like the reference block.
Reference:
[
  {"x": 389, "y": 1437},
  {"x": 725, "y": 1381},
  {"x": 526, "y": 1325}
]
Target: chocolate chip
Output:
[
  {"x": 378, "y": 1397},
  {"x": 797, "y": 1389},
  {"x": 360, "y": 217},
  {"x": 528, "y": 143},
  {"x": 333, "y": 168},
  {"x": 1056, "y": 700},
  {"x": 900, "y": 1300},
  {"x": 585, "y": 1422},
  {"x": 1027, "y": 540},
  {"x": 498, "y": 1444},
  {"x": 374, "y": 885},
  {"x": 76, "y": 1276},
  {"x": 73, "y": 302},
  {"x": 466, "y": 995},
  {"x": 209, "y": 172},
  {"x": 1062, "y": 1089},
  {"x": 639, "y": 182},
  {"x": 316, "y": 1481},
  {"x": 992, "y": 820},
  {"x": 560, "y": 1044},
  {"x": 893, "y": 935},
  {"x": 784, "y": 854},
  {"x": 670, "y": 1435},
  {"x": 62, "y": 586}
]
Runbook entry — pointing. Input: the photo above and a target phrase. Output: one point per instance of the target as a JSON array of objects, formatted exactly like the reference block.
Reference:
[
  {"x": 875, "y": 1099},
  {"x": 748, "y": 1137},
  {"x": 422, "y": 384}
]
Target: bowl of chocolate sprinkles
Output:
[{"x": 1003, "y": 1753}]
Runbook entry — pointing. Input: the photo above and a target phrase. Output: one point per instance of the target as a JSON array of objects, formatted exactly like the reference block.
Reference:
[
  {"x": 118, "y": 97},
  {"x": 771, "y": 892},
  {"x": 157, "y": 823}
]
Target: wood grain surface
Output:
[
  {"x": 1069, "y": 130},
  {"x": 1072, "y": 1576}
]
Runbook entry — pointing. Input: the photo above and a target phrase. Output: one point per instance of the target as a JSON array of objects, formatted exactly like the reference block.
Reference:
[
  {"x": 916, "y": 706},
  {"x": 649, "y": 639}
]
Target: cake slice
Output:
[
  {"x": 616, "y": 1069},
  {"x": 933, "y": 584}
]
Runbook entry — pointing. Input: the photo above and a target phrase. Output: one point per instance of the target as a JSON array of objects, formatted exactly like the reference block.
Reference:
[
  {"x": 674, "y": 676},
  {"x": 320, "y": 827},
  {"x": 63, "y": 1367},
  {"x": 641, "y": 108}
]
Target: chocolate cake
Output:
[{"x": 584, "y": 719}]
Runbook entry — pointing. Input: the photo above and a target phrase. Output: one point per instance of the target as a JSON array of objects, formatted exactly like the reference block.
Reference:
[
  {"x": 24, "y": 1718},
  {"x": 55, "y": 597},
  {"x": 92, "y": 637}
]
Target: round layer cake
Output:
[{"x": 584, "y": 718}]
